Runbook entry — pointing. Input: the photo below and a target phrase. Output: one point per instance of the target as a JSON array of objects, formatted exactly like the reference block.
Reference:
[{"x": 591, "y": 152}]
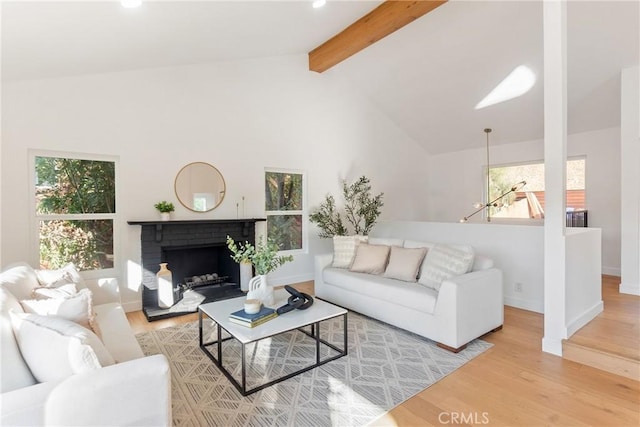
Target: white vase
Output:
[
  {"x": 165, "y": 216},
  {"x": 259, "y": 289},
  {"x": 165, "y": 286},
  {"x": 246, "y": 273}
]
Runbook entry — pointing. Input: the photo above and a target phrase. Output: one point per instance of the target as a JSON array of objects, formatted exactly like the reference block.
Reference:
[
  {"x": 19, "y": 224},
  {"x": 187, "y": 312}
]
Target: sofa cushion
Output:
[
  {"x": 14, "y": 372},
  {"x": 344, "y": 249},
  {"x": 370, "y": 259},
  {"x": 19, "y": 279},
  {"x": 77, "y": 308},
  {"x": 64, "y": 291},
  {"x": 410, "y": 295},
  {"x": 55, "y": 348},
  {"x": 116, "y": 333},
  {"x": 404, "y": 263},
  {"x": 443, "y": 262}
]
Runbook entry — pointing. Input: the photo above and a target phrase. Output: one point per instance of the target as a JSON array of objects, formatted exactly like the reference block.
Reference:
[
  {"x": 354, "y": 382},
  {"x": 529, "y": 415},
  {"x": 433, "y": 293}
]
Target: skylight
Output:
[{"x": 517, "y": 83}]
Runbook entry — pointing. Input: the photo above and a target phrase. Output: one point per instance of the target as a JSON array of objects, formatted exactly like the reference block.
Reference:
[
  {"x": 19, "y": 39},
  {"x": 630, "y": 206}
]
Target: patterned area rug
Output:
[{"x": 385, "y": 366}]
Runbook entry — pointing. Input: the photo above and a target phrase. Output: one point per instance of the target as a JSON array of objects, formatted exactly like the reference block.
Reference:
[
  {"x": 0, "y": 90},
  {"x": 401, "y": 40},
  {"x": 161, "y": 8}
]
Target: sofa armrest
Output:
[
  {"x": 134, "y": 393},
  {"x": 322, "y": 261},
  {"x": 469, "y": 306}
]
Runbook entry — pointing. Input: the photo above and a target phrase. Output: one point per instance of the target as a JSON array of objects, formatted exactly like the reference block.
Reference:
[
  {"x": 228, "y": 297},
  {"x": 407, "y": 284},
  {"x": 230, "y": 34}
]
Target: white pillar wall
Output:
[
  {"x": 555, "y": 155},
  {"x": 630, "y": 181}
]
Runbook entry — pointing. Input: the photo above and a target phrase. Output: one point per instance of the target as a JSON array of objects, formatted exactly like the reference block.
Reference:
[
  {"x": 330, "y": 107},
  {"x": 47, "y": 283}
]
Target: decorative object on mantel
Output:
[
  {"x": 265, "y": 259},
  {"x": 200, "y": 187},
  {"x": 165, "y": 208},
  {"x": 361, "y": 210},
  {"x": 165, "y": 286},
  {"x": 491, "y": 203}
]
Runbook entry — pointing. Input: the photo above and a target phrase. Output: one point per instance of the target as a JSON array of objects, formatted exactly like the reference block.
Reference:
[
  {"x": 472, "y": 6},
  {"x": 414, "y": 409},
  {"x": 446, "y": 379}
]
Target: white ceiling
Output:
[{"x": 427, "y": 77}]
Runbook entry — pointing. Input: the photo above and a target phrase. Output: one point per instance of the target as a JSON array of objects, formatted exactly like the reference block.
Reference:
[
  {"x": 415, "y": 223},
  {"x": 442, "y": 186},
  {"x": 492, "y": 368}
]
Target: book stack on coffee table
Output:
[{"x": 252, "y": 320}]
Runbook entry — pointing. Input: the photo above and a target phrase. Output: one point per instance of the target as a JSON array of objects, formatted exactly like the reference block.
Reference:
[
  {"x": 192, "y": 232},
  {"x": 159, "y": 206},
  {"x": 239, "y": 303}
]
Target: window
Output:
[
  {"x": 284, "y": 205},
  {"x": 74, "y": 211},
  {"x": 529, "y": 201}
]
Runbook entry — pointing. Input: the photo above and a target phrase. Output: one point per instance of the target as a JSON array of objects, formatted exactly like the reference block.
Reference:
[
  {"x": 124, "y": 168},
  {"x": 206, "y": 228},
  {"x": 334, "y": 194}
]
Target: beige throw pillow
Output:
[
  {"x": 404, "y": 263},
  {"x": 444, "y": 262},
  {"x": 77, "y": 308},
  {"x": 370, "y": 259},
  {"x": 344, "y": 249}
]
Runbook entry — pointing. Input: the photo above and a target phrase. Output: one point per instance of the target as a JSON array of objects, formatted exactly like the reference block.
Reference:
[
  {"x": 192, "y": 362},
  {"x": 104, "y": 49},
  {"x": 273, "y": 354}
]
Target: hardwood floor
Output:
[{"x": 513, "y": 383}]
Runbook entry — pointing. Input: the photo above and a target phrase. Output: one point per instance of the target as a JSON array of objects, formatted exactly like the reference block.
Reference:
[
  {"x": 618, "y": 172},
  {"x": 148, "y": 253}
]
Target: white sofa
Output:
[
  {"x": 465, "y": 307},
  {"x": 135, "y": 391}
]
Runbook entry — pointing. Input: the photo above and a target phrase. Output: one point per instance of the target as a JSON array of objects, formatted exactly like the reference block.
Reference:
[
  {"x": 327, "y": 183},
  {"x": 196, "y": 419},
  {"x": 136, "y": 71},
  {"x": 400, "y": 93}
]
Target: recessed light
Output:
[
  {"x": 517, "y": 83},
  {"x": 318, "y": 3},
  {"x": 131, "y": 4}
]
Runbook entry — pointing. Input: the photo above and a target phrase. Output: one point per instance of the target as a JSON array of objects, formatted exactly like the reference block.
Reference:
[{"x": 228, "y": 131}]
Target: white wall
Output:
[
  {"x": 239, "y": 116},
  {"x": 456, "y": 181},
  {"x": 630, "y": 172}
]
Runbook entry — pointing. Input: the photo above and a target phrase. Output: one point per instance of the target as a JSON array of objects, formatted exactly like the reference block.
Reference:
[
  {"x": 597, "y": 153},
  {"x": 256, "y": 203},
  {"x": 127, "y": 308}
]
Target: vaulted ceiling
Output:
[{"x": 427, "y": 77}]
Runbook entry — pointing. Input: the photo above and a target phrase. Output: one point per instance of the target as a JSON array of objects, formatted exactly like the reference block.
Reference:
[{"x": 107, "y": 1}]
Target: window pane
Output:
[
  {"x": 283, "y": 191},
  {"x": 88, "y": 244},
  {"x": 74, "y": 186},
  {"x": 286, "y": 230},
  {"x": 529, "y": 202}
]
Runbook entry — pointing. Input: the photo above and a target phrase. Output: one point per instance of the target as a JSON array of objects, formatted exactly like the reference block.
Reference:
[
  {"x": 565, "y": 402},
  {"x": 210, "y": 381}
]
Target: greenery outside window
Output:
[
  {"x": 75, "y": 209},
  {"x": 529, "y": 202},
  {"x": 285, "y": 209}
]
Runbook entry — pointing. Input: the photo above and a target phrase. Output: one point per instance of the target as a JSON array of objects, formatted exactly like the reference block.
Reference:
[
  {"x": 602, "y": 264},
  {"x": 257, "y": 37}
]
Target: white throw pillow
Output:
[
  {"x": 371, "y": 259},
  {"x": 63, "y": 291},
  {"x": 404, "y": 263},
  {"x": 77, "y": 308},
  {"x": 55, "y": 348},
  {"x": 443, "y": 262},
  {"x": 344, "y": 249},
  {"x": 62, "y": 276}
]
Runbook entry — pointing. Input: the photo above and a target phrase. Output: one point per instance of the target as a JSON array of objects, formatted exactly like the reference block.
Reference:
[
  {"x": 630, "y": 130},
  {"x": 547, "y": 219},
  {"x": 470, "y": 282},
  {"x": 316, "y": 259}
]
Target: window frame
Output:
[
  {"x": 304, "y": 212},
  {"x": 35, "y": 217},
  {"x": 528, "y": 221}
]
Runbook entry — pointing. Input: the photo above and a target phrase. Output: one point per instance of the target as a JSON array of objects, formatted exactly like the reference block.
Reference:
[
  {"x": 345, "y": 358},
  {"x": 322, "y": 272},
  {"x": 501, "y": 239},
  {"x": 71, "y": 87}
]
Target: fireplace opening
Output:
[{"x": 200, "y": 265}]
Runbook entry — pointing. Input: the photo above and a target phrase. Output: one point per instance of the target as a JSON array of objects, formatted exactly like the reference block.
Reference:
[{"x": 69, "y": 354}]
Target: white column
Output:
[
  {"x": 555, "y": 158},
  {"x": 630, "y": 181}
]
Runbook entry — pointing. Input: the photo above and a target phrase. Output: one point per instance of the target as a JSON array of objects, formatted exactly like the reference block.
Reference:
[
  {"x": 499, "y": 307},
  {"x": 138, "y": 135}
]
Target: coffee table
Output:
[{"x": 312, "y": 317}]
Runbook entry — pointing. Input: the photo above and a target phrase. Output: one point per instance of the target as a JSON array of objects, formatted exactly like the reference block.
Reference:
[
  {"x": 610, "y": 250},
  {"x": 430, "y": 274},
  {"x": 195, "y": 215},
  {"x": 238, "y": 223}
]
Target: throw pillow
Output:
[
  {"x": 404, "y": 263},
  {"x": 77, "y": 308},
  {"x": 344, "y": 249},
  {"x": 443, "y": 262},
  {"x": 63, "y": 291},
  {"x": 370, "y": 259},
  {"x": 55, "y": 348},
  {"x": 62, "y": 276}
]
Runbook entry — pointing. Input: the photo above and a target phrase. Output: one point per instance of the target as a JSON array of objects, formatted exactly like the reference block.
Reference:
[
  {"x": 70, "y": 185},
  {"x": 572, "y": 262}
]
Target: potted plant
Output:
[
  {"x": 265, "y": 259},
  {"x": 243, "y": 253},
  {"x": 165, "y": 208}
]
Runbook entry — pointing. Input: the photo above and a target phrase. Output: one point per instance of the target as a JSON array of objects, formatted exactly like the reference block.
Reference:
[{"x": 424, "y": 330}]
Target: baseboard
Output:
[
  {"x": 584, "y": 318},
  {"x": 132, "y": 306},
  {"x": 290, "y": 280},
  {"x": 631, "y": 289},
  {"x": 611, "y": 271},
  {"x": 553, "y": 346},
  {"x": 525, "y": 304}
]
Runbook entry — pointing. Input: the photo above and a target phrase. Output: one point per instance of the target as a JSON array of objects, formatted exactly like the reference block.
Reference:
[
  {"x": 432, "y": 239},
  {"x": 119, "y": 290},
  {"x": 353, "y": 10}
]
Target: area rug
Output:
[{"x": 384, "y": 367}]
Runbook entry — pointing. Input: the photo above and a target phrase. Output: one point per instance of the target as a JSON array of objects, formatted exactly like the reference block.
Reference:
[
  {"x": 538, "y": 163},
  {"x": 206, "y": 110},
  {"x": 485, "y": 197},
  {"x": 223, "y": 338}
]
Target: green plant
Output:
[
  {"x": 263, "y": 256},
  {"x": 164, "y": 206},
  {"x": 361, "y": 210}
]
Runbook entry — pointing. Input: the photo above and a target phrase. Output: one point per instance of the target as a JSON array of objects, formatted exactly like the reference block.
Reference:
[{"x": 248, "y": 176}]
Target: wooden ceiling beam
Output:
[{"x": 380, "y": 22}]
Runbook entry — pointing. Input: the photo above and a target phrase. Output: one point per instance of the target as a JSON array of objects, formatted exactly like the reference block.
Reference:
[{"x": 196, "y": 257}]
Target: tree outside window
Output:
[
  {"x": 285, "y": 208},
  {"x": 75, "y": 212},
  {"x": 529, "y": 202}
]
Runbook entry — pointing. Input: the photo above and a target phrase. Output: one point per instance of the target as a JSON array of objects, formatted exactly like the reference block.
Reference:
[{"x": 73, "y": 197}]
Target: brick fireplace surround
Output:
[{"x": 160, "y": 240}]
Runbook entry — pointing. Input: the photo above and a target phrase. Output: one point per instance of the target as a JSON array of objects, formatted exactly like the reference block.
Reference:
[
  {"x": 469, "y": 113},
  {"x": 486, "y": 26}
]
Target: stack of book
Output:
[{"x": 252, "y": 320}]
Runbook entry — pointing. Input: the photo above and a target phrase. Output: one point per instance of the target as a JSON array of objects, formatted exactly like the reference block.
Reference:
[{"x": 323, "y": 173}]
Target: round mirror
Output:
[{"x": 200, "y": 187}]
